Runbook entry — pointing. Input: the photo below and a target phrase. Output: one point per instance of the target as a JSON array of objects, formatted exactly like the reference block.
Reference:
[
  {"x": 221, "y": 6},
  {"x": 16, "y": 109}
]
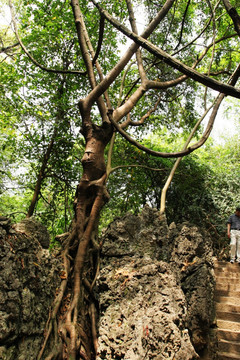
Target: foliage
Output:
[
  {"x": 204, "y": 190},
  {"x": 34, "y": 103}
]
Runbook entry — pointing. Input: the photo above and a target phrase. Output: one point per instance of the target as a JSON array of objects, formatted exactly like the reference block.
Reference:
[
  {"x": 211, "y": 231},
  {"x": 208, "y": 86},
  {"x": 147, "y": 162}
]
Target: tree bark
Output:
[
  {"x": 74, "y": 333},
  {"x": 41, "y": 176}
]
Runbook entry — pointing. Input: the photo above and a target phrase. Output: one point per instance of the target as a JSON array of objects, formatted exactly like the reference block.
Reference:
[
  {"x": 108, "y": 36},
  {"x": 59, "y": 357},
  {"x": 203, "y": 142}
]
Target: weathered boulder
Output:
[
  {"x": 143, "y": 312},
  {"x": 192, "y": 259},
  {"x": 29, "y": 276},
  {"x": 156, "y": 291},
  {"x": 33, "y": 228}
]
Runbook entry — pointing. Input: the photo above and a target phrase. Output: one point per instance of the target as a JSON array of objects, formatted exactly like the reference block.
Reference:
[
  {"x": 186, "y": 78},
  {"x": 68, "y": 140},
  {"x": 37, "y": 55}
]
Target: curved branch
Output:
[
  {"x": 81, "y": 34},
  {"x": 8, "y": 48},
  {"x": 174, "y": 82},
  {"x": 134, "y": 165},
  {"x": 163, "y": 154},
  {"x": 35, "y": 62},
  {"x": 190, "y": 149},
  {"x": 150, "y": 111},
  {"x": 177, "y": 162},
  {"x": 193, "y": 40},
  {"x": 116, "y": 70},
  {"x": 134, "y": 29},
  {"x": 123, "y": 110},
  {"x": 170, "y": 60},
  {"x": 143, "y": 118},
  {"x": 182, "y": 26},
  {"x": 213, "y": 49},
  {"x": 232, "y": 12},
  {"x": 120, "y": 102},
  {"x": 145, "y": 149},
  {"x": 100, "y": 39},
  {"x": 86, "y": 47}
]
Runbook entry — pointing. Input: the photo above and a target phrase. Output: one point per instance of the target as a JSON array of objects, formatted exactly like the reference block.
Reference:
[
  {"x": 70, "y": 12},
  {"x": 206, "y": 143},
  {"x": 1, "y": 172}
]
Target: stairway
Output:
[{"x": 227, "y": 297}]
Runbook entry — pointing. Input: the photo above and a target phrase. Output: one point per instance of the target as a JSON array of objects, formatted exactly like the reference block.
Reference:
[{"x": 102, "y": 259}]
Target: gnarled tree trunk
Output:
[{"x": 71, "y": 328}]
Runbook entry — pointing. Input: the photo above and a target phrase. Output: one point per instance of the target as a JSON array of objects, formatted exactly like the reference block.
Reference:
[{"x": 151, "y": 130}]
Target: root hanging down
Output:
[{"x": 71, "y": 330}]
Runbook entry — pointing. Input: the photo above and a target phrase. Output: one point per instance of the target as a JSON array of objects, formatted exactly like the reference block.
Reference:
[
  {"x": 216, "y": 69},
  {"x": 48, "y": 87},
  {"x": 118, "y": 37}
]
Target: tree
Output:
[{"x": 169, "y": 62}]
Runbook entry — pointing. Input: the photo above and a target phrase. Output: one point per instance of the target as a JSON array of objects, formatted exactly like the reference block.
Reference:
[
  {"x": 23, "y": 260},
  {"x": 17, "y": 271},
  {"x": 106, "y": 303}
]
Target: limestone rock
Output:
[
  {"x": 29, "y": 276},
  {"x": 143, "y": 312},
  {"x": 155, "y": 290},
  {"x": 33, "y": 228}
]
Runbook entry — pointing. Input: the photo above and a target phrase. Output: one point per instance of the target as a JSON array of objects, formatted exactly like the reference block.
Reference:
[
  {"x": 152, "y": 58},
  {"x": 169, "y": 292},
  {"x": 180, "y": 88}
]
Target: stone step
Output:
[
  {"x": 233, "y": 278},
  {"x": 227, "y": 288},
  {"x": 229, "y": 335},
  {"x": 224, "y": 307},
  {"x": 228, "y": 293},
  {"x": 226, "y": 346},
  {"x": 227, "y": 300},
  {"x": 228, "y": 325},
  {"x": 226, "y": 266},
  {"x": 233, "y": 273},
  {"x": 228, "y": 356},
  {"x": 229, "y": 316},
  {"x": 222, "y": 264},
  {"x": 224, "y": 280}
]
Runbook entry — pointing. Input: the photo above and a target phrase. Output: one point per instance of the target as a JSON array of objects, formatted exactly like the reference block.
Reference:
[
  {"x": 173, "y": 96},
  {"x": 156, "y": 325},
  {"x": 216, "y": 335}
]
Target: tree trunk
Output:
[
  {"x": 41, "y": 176},
  {"x": 71, "y": 328}
]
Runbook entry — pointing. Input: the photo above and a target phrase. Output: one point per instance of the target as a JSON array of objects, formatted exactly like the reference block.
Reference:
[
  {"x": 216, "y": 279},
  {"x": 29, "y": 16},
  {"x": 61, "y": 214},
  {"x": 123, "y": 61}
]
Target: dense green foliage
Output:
[
  {"x": 39, "y": 107},
  {"x": 204, "y": 191}
]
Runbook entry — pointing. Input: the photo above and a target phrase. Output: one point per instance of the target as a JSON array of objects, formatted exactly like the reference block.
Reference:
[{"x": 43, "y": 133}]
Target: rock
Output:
[
  {"x": 5, "y": 222},
  {"x": 4, "y": 226},
  {"x": 33, "y": 228},
  {"x": 155, "y": 290},
  {"x": 192, "y": 259},
  {"x": 142, "y": 312},
  {"x": 29, "y": 276}
]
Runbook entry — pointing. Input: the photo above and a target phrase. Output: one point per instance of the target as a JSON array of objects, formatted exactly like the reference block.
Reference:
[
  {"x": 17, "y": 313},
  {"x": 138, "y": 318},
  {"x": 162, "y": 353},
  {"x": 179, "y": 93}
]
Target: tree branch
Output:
[
  {"x": 232, "y": 12},
  {"x": 134, "y": 165},
  {"x": 168, "y": 59},
  {"x": 190, "y": 149},
  {"x": 109, "y": 79},
  {"x": 100, "y": 39},
  {"x": 182, "y": 26},
  {"x": 177, "y": 162},
  {"x": 8, "y": 48},
  {"x": 134, "y": 29},
  {"x": 85, "y": 45}
]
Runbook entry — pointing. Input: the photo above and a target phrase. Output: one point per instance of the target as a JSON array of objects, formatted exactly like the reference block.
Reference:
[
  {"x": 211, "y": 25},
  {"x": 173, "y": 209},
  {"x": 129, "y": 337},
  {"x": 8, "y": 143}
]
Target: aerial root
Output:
[
  {"x": 68, "y": 329},
  {"x": 51, "y": 325},
  {"x": 92, "y": 314}
]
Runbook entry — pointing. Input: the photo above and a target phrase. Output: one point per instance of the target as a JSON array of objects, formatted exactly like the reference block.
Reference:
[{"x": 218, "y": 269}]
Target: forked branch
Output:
[{"x": 170, "y": 60}]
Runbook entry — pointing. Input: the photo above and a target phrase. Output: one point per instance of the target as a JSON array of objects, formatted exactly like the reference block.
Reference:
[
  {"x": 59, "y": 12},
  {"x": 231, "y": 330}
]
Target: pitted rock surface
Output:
[
  {"x": 33, "y": 228},
  {"x": 156, "y": 291},
  {"x": 143, "y": 312},
  {"x": 29, "y": 276}
]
